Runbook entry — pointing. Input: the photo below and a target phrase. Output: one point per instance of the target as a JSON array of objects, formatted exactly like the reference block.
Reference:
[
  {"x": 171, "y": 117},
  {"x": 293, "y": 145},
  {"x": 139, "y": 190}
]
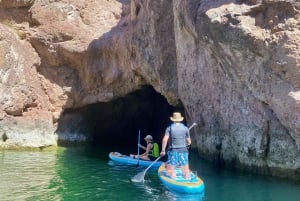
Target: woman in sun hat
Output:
[{"x": 179, "y": 136}]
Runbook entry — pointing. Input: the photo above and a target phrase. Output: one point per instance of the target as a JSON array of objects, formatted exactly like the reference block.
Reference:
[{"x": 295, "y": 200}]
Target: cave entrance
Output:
[{"x": 118, "y": 122}]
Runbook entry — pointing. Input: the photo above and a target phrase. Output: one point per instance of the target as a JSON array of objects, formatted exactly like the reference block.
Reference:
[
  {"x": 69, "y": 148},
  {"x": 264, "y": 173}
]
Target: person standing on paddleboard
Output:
[{"x": 179, "y": 136}]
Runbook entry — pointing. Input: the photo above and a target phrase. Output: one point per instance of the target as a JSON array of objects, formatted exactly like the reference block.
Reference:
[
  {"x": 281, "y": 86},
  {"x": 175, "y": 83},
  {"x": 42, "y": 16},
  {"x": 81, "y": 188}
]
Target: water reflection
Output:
[
  {"x": 27, "y": 175},
  {"x": 86, "y": 174}
]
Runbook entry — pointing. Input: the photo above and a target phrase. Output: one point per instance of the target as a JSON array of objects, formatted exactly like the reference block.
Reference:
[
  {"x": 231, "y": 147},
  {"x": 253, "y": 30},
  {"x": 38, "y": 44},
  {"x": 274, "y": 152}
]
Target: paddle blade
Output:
[{"x": 139, "y": 177}]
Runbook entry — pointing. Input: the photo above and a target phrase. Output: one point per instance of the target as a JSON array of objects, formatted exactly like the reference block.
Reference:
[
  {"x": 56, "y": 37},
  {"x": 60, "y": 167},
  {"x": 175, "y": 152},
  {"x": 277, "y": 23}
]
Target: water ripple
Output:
[{"x": 87, "y": 174}]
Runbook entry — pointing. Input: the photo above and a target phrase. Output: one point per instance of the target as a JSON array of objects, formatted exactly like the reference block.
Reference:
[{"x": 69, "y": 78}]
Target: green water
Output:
[{"x": 87, "y": 174}]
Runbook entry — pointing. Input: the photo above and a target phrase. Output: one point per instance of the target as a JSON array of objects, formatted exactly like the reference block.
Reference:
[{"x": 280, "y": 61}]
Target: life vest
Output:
[
  {"x": 177, "y": 136},
  {"x": 155, "y": 150}
]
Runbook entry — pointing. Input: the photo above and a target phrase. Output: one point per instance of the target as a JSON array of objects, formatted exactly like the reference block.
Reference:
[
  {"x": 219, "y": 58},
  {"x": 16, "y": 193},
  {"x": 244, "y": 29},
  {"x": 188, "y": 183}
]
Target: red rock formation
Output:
[
  {"x": 233, "y": 64},
  {"x": 238, "y": 76}
]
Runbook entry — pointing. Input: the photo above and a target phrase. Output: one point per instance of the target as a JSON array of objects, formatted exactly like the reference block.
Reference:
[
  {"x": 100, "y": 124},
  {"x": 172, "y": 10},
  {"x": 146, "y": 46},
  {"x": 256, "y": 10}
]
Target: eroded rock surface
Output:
[
  {"x": 234, "y": 65},
  {"x": 239, "y": 76}
]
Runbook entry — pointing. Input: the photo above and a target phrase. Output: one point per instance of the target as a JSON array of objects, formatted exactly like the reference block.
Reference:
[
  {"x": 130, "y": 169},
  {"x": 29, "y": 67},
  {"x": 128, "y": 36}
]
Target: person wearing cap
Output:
[
  {"x": 148, "y": 149},
  {"x": 179, "y": 137}
]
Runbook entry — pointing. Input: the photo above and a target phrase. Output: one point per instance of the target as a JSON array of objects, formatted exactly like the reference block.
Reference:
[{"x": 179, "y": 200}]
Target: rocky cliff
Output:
[{"x": 233, "y": 65}]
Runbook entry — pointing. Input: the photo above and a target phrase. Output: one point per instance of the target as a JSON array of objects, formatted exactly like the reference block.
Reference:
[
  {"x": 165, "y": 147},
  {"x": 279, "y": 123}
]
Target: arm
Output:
[
  {"x": 188, "y": 138},
  {"x": 188, "y": 141},
  {"x": 164, "y": 144},
  {"x": 148, "y": 148},
  {"x": 141, "y": 146}
]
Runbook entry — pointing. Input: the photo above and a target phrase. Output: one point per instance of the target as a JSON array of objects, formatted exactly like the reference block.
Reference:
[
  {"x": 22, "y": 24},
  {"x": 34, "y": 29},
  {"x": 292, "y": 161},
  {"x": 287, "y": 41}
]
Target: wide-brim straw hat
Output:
[{"x": 176, "y": 117}]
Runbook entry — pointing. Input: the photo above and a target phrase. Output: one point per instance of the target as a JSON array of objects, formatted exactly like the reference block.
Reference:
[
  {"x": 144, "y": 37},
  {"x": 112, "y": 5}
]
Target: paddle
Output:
[
  {"x": 139, "y": 136},
  {"x": 188, "y": 146},
  {"x": 140, "y": 176},
  {"x": 194, "y": 124}
]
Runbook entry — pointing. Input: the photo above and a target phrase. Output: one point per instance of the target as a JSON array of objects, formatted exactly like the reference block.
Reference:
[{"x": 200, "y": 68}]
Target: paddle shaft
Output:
[
  {"x": 140, "y": 176},
  {"x": 138, "y": 151},
  {"x": 152, "y": 164},
  {"x": 194, "y": 124}
]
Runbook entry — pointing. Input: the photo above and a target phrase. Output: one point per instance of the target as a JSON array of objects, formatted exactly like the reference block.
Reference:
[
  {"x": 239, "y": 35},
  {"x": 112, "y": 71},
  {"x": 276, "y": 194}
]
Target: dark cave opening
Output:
[{"x": 119, "y": 121}]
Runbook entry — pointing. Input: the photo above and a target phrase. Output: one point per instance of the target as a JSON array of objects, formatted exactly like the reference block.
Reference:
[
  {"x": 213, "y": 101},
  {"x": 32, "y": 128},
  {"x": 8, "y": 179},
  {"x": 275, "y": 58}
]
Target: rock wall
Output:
[
  {"x": 238, "y": 74},
  {"x": 234, "y": 65},
  {"x": 58, "y": 55}
]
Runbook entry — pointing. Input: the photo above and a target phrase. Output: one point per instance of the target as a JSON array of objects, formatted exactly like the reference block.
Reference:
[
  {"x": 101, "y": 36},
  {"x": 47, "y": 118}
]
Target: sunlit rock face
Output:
[
  {"x": 238, "y": 67},
  {"x": 57, "y": 55},
  {"x": 233, "y": 65}
]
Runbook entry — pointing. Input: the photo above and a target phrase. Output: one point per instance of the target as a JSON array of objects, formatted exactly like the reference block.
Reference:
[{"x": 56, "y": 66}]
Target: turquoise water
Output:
[{"x": 87, "y": 174}]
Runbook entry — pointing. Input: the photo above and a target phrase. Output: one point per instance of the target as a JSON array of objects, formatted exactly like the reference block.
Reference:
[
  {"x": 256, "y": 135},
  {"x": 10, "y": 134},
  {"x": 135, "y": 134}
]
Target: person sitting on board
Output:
[
  {"x": 154, "y": 151},
  {"x": 150, "y": 150},
  {"x": 179, "y": 136}
]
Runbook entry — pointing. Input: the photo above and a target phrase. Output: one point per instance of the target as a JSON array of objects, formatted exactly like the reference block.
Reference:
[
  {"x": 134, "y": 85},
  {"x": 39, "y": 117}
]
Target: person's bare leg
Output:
[
  {"x": 145, "y": 158},
  {"x": 186, "y": 171},
  {"x": 171, "y": 171}
]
